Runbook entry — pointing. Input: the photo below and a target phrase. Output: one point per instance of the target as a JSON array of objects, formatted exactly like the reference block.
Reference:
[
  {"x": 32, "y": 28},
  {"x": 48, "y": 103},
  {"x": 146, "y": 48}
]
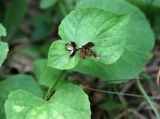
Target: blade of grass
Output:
[{"x": 149, "y": 100}]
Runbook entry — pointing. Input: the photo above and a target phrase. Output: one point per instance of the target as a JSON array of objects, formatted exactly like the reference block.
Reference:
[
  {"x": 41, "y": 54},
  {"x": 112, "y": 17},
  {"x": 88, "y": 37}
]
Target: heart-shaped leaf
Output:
[
  {"x": 137, "y": 52},
  {"x": 13, "y": 83},
  {"x": 59, "y": 57},
  {"x": 105, "y": 29},
  {"x": 69, "y": 102}
]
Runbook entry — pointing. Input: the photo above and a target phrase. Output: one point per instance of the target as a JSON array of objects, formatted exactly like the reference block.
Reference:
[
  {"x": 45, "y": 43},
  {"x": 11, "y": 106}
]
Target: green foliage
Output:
[
  {"x": 69, "y": 102},
  {"x": 45, "y": 48},
  {"x": 148, "y": 99},
  {"x": 70, "y": 4},
  {"x": 14, "y": 15},
  {"x": 3, "y": 46},
  {"x": 4, "y": 51},
  {"x": 47, "y": 3},
  {"x": 137, "y": 53},
  {"x": 59, "y": 57},
  {"x": 2, "y": 31},
  {"x": 66, "y": 6},
  {"x": 29, "y": 51},
  {"x": 41, "y": 24},
  {"x": 46, "y": 76},
  {"x": 107, "y": 32},
  {"x": 154, "y": 4},
  {"x": 12, "y": 83},
  {"x": 122, "y": 39}
]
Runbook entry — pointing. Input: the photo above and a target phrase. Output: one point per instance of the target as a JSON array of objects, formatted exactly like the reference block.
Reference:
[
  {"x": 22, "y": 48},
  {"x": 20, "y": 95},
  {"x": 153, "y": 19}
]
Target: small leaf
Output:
[
  {"x": 59, "y": 57},
  {"x": 3, "y": 52},
  {"x": 46, "y": 76},
  {"x": 3, "y": 46},
  {"x": 47, "y": 3},
  {"x": 69, "y": 102},
  {"x": 2, "y": 30},
  {"x": 13, "y": 83},
  {"x": 105, "y": 29}
]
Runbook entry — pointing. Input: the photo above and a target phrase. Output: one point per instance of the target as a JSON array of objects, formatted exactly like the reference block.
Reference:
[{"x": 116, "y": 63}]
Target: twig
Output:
[
  {"x": 149, "y": 100},
  {"x": 124, "y": 94}
]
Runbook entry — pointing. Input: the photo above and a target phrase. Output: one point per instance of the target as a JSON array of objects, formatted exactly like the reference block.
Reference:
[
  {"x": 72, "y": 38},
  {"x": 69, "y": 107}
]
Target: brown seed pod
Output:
[{"x": 85, "y": 50}]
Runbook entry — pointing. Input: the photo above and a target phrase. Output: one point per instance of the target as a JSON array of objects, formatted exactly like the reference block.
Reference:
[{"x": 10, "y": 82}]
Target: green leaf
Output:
[
  {"x": 46, "y": 76},
  {"x": 2, "y": 31},
  {"x": 152, "y": 4},
  {"x": 3, "y": 52},
  {"x": 69, "y": 102},
  {"x": 42, "y": 25},
  {"x": 105, "y": 29},
  {"x": 47, "y": 3},
  {"x": 137, "y": 53},
  {"x": 3, "y": 46},
  {"x": 60, "y": 58},
  {"x": 27, "y": 50},
  {"x": 14, "y": 15},
  {"x": 20, "y": 81},
  {"x": 13, "y": 83}
]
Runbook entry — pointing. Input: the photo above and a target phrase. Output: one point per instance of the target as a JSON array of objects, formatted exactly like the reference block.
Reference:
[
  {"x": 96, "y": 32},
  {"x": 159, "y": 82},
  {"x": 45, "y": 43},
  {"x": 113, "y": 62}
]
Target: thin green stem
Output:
[
  {"x": 149, "y": 100},
  {"x": 123, "y": 94},
  {"x": 52, "y": 88}
]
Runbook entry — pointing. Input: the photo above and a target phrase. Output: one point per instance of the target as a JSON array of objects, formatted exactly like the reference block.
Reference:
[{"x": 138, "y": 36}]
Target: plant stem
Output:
[
  {"x": 149, "y": 100},
  {"x": 123, "y": 94},
  {"x": 52, "y": 88}
]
